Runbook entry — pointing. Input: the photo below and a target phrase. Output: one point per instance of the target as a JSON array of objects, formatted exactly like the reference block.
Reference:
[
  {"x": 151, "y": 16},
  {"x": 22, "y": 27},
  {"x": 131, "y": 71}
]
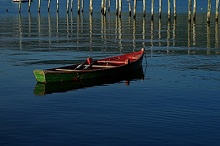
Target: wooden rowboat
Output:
[
  {"x": 108, "y": 67},
  {"x": 60, "y": 87}
]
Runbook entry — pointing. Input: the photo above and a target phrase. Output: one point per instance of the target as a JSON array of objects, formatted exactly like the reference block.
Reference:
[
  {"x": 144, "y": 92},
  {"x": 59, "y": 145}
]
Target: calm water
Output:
[{"x": 177, "y": 102}]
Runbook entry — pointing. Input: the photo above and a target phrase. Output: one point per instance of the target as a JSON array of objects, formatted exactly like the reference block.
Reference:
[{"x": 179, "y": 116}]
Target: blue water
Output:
[{"x": 177, "y": 102}]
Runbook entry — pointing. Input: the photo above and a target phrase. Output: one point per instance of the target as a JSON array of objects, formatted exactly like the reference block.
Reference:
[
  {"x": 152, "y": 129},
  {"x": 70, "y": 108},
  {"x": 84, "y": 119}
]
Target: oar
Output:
[
  {"x": 88, "y": 66},
  {"x": 80, "y": 65}
]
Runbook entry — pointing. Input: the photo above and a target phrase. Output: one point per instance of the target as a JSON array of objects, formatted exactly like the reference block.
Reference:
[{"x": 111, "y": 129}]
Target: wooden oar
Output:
[
  {"x": 90, "y": 65},
  {"x": 80, "y": 66}
]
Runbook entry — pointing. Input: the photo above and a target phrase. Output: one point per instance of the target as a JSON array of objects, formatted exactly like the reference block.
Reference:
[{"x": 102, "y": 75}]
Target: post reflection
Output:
[
  {"x": 90, "y": 32},
  {"x": 124, "y": 32},
  {"x": 20, "y": 31}
]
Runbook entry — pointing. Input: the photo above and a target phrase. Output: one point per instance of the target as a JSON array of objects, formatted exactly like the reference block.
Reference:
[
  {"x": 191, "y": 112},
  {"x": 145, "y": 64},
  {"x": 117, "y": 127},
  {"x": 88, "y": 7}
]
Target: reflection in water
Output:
[
  {"x": 132, "y": 33},
  {"x": 42, "y": 89}
]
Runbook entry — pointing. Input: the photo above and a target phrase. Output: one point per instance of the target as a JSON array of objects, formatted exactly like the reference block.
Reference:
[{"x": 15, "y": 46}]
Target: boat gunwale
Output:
[{"x": 53, "y": 70}]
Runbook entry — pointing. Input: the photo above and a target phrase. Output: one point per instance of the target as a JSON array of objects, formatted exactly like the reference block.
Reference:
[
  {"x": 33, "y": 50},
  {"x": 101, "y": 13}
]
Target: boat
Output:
[
  {"x": 92, "y": 69},
  {"x": 42, "y": 89}
]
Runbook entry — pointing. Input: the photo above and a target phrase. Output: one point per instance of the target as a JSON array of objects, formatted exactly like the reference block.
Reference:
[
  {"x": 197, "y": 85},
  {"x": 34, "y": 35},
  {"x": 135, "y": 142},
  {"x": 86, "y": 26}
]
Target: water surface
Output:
[{"x": 177, "y": 102}]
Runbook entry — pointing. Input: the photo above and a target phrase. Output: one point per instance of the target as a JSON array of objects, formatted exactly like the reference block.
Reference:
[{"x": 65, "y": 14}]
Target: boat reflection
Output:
[{"x": 49, "y": 88}]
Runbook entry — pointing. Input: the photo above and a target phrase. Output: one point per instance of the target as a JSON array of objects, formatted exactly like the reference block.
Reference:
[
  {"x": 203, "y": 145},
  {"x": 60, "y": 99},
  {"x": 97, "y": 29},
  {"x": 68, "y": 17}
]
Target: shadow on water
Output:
[{"x": 49, "y": 88}]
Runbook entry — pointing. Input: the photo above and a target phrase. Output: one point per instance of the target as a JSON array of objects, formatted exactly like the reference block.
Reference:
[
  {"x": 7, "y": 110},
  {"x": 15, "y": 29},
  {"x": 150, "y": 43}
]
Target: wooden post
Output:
[
  {"x": 216, "y": 10},
  {"x": 29, "y": 5},
  {"x": 82, "y": 8},
  {"x": 78, "y": 6},
  {"x": 71, "y": 5},
  {"x": 67, "y": 6},
  {"x": 174, "y": 8},
  {"x": 194, "y": 10},
  {"x": 109, "y": 5},
  {"x": 209, "y": 11},
  {"x": 135, "y": 6},
  {"x": 48, "y": 6},
  {"x": 19, "y": 7},
  {"x": 102, "y": 6},
  {"x": 129, "y": 7},
  {"x": 152, "y": 10},
  {"x": 160, "y": 9},
  {"x": 120, "y": 7},
  {"x": 116, "y": 7},
  {"x": 91, "y": 7},
  {"x": 38, "y": 5},
  {"x": 169, "y": 14},
  {"x": 189, "y": 10},
  {"x": 144, "y": 8},
  {"x": 57, "y": 5}
]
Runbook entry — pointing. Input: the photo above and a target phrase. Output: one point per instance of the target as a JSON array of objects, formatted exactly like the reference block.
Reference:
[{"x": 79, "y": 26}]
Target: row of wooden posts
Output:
[{"x": 106, "y": 4}]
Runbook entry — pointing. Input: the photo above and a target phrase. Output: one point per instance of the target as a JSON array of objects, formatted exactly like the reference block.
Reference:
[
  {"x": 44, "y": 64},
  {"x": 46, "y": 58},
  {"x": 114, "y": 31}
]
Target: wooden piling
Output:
[
  {"x": 29, "y": 5},
  {"x": 71, "y": 5},
  {"x": 48, "y": 8},
  {"x": 168, "y": 11},
  {"x": 209, "y": 11},
  {"x": 57, "y": 5},
  {"x": 103, "y": 7},
  {"x": 160, "y": 9},
  {"x": 116, "y": 7},
  {"x": 120, "y": 8},
  {"x": 19, "y": 7},
  {"x": 135, "y": 6},
  {"x": 152, "y": 9},
  {"x": 109, "y": 5},
  {"x": 129, "y": 8},
  {"x": 82, "y": 6},
  {"x": 78, "y": 6},
  {"x": 38, "y": 5},
  {"x": 216, "y": 10},
  {"x": 194, "y": 10},
  {"x": 91, "y": 7},
  {"x": 174, "y": 8},
  {"x": 144, "y": 8},
  {"x": 67, "y": 6},
  {"x": 189, "y": 10}
]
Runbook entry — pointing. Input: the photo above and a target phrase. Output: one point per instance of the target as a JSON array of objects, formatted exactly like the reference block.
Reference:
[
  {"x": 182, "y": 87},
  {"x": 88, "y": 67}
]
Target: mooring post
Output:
[
  {"x": 189, "y": 10},
  {"x": 102, "y": 6},
  {"x": 135, "y": 6},
  {"x": 71, "y": 5},
  {"x": 82, "y": 7},
  {"x": 67, "y": 6},
  {"x": 144, "y": 8},
  {"x": 78, "y": 4},
  {"x": 209, "y": 11},
  {"x": 48, "y": 6},
  {"x": 160, "y": 9},
  {"x": 216, "y": 10},
  {"x": 116, "y": 7},
  {"x": 109, "y": 5},
  {"x": 38, "y": 5},
  {"x": 194, "y": 10},
  {"x": 91, "y": 7},
  {"x": 120, "y": 7},
  {"x": 174, "y": 8},
  {"x": 57, "y": 5},
  {"x": 152, "y": 10},
  {"x": 19, "y": 7},
  {"x": 129, "y": 8},
  {"x": 29, "y": 5},
  {"x": 169, "y": 14}
]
